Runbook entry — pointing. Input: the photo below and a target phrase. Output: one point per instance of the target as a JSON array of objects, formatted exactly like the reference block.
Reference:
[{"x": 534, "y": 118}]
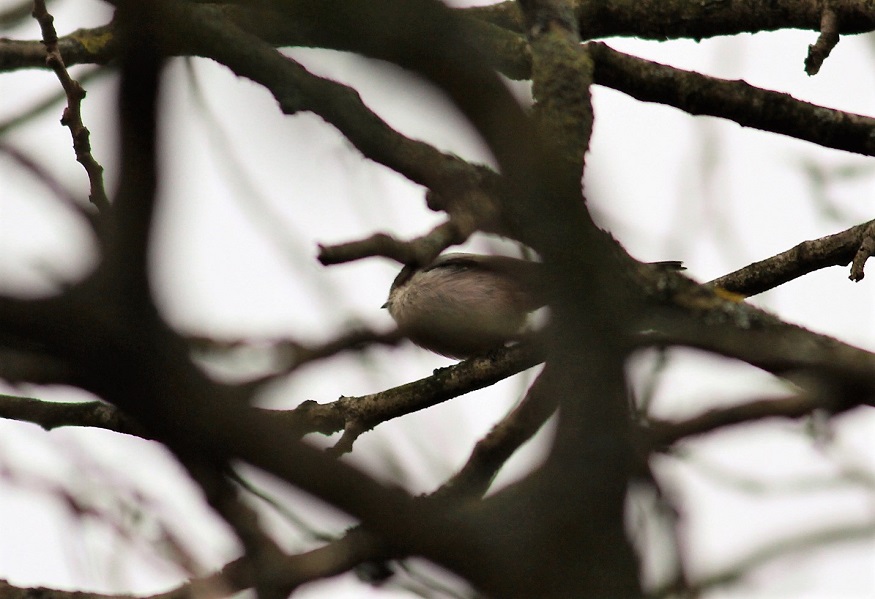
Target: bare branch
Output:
[
  {"x": 207, "y": 31},
  {"x": 659, "y": 20},
  {"x": 98, "y": 45},
  {"x": 292, "y": 354},
  {"x": 663, "y": 434},
  {"x": 826, "y": 41},
  {"x": 737, "y": 101},
  {"x": 300, "y": 354},
  {"x": 348, "y": 413},
  {"x": 72, "y": 117},
  {"x": 492, "y": 451},
  {"x": 863, "y": 253},
  {"x": 740, "y": 331},
  {"x": 361, "y": 414},
  {"x": 837, "y": 249},
  {"x": 51, "y": 414},
  {"x": 421, "y": 250}
]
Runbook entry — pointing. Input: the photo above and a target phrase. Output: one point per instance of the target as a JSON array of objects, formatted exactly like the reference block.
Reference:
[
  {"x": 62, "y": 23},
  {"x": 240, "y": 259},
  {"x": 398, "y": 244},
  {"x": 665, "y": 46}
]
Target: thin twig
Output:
[
  {"x": 52, "y": 182},
  {"x": 293, "y": 354},
  {"x": 663, "y": 434},
  {"x": 837, "y": 249},
  {"x": 421, "y": 250},
  {"x": 863, "y": 253},
  {"x": 781, "y": 548},
  {"x": 826, "y": 41},
  {"x": 72, "y": 117}
]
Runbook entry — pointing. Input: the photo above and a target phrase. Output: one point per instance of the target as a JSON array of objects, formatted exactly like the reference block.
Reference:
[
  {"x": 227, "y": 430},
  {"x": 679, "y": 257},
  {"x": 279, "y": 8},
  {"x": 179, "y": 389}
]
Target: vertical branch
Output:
[
  {"x": 584, "y": 482},
  {"x": 562, "y": 73},
  {"x": 141, "y": 65}
]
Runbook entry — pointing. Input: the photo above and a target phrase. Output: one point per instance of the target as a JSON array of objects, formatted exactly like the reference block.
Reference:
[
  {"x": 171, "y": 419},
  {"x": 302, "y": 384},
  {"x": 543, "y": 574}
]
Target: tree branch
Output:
[
  {"x": 468, "y": 191},
  {"x": 361, "y": 414},
  {"x": 663, "y": 434},
  {"x": 826, "y": 41},
  {"x": 421, "y": 250},
  {"x": 72, "y": 117},
  {"x": 692, "y": 19},
  {"x": 50, "y": 414},
  {"x": 737, "y": 101},
  {"x": 837, "y": 249}
]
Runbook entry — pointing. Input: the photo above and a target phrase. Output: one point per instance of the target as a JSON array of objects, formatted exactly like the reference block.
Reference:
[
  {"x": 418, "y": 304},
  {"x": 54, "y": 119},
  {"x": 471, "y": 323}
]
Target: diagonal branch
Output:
[
  {"x": 837, "y": 249},
  {"x": 467, "y": 191},
  {"x": 357, "y": 415},
  {"x": 821, "y": 364},
  {"x": 72, "y": 117},
  {"x": 826, "y": 41}
]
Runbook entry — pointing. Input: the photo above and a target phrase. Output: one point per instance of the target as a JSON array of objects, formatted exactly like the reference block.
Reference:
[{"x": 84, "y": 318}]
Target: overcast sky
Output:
[{"x": 247, "y": 194}]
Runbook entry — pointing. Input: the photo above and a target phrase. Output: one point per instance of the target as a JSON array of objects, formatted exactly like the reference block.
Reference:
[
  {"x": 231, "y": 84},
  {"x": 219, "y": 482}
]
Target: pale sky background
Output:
[{"x": 247, "y": 195}]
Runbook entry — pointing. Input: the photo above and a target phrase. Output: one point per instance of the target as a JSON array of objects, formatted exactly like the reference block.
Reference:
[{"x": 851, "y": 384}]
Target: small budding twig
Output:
[
  {"x": 826, "y": 41},
  {"x": 866, "y": 249},
  {"x": 421, "y": 250},
  {"x": 72, "y": 117}
]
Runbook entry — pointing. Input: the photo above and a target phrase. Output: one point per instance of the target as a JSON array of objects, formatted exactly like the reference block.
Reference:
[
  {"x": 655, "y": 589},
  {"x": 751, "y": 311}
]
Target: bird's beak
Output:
[{"x": 384, "y": 306}]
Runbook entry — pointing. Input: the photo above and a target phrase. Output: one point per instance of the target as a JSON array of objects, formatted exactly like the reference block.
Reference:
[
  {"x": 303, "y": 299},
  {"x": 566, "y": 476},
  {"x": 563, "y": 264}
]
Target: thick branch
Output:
[
  {"x": 51, "y": 415},
  {"x": 84, "y": 46},
  {"x": 821, "y": 364},
  {"x": 734, "y": 100},
  {"x": 651, "y": 19},
  {"x": 693, "y": 19},
  {"x": 203, "y": 31}
]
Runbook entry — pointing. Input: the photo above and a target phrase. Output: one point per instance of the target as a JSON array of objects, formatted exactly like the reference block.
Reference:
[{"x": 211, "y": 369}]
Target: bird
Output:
[{"x": 462, "y": 305}]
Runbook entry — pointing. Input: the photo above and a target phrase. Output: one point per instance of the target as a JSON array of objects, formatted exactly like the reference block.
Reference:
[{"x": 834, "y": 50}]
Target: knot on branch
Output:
[{"x": 864, "y": 251}]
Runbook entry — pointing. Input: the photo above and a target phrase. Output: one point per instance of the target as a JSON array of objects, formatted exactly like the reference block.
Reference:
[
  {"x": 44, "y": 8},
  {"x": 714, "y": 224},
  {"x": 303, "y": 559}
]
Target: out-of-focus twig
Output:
[
  {"x": 39, "y": 107},
  {"x": 777, "y": 549},
  {"x": 49, "y": 180},
  {"x": 663, "y": 434}
]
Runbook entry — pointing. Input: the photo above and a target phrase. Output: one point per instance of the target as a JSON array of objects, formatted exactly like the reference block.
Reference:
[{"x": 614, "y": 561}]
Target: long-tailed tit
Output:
[{"x": 465, "y": 304}]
